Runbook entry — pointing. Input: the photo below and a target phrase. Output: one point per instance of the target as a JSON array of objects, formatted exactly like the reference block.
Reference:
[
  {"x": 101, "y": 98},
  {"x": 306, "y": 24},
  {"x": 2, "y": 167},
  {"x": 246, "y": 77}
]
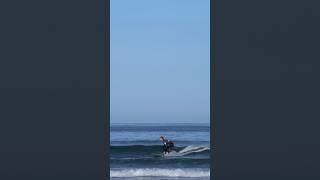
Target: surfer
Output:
[{"x": 167, "y": 144}]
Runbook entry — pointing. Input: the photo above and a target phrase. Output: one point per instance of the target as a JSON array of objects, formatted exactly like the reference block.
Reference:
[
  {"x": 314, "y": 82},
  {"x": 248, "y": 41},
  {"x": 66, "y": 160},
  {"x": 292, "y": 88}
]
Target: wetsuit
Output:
[{"x": 167, "y": 145}]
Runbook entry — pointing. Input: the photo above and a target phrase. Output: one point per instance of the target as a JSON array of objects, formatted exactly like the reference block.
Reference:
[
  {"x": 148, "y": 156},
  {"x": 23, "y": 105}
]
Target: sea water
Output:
[{"x": 136, "y": 152}]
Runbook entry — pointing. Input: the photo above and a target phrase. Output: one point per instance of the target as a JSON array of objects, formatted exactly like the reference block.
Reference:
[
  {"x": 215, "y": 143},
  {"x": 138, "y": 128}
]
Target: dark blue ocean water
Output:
[{"x": 136, "y": 151}]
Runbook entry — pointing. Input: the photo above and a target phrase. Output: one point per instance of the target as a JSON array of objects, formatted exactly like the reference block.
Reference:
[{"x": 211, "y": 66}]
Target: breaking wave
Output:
[{"x": 156, "y": 172}]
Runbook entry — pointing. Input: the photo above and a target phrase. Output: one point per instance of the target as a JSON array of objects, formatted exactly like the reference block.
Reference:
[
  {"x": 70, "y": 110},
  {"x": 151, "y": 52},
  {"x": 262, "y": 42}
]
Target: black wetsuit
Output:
[{"x": 167, "y": 146}]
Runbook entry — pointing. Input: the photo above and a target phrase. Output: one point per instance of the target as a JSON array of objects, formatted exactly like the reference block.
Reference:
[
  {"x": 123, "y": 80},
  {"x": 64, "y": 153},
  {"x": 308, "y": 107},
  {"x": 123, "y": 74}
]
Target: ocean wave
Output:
[
  {"x": 184, "y": 162},
  {"x": 155, "y": 142},
  {"x": 194, "y": 149},
  {"x": 157, "y": 148},
  {"x": 157, "y": 172}
]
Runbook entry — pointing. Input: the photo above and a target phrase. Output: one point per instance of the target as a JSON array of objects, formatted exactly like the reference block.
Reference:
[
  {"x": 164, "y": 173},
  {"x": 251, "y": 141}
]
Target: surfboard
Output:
[{"x": 171, "y": 154}]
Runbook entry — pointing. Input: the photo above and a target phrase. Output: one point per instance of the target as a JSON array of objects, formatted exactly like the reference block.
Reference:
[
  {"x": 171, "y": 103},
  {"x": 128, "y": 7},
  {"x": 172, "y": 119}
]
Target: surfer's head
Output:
[{"x": 161, "y": 138}]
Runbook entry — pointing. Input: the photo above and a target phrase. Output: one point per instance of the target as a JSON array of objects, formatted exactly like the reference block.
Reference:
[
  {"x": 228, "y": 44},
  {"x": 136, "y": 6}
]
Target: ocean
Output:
[{"x": 136, "y": 152}]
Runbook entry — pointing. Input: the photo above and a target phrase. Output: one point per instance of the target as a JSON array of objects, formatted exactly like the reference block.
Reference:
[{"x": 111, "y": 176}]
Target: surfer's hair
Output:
[{"x": 161, "y": 137}]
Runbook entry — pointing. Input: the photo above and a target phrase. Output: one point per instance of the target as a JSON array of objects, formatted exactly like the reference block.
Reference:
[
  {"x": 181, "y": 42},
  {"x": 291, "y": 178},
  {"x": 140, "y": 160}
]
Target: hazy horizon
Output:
[
  {"x": 183, "y": 123},
  {"x": 160, "y": 61}
]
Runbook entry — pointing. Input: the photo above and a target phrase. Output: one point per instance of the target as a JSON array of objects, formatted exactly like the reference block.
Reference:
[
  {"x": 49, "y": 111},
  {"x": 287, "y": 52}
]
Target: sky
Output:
[{"x": 160, "y": 61}]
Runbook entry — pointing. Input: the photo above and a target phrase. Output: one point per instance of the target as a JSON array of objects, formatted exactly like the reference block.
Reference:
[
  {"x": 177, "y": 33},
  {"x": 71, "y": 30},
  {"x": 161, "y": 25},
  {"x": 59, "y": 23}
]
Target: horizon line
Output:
[{"x": 159, "y": 122}]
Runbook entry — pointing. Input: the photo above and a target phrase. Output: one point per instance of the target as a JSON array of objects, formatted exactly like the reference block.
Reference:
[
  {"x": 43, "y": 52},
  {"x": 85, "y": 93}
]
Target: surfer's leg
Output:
[{"x": 165, "y": 149}]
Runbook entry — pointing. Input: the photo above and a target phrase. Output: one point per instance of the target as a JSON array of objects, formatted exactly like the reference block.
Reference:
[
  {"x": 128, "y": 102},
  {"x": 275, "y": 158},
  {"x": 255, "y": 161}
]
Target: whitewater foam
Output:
[
  {"x": 192, "y": 149},
  {"x": 188, "y": 150},
  {"x": 157, "y": 172}
]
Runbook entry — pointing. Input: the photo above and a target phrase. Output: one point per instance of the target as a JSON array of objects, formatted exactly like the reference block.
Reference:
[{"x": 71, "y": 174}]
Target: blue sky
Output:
[{"x": 160, "y": 61}]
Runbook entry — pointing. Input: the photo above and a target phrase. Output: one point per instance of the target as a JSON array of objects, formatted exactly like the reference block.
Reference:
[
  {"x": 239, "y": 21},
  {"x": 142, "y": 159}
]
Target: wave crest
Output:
[
  {"x": 156, "y": 172},
  {"x": 158, "y": 149}
]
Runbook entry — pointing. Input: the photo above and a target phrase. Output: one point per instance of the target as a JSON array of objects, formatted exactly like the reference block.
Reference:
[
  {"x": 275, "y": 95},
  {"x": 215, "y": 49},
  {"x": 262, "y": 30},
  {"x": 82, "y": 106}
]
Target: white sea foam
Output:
[
  {"x": 157, "y": 172},
  {"x": 191, "y": 149},
  {"x": 187, "y": 150}
]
